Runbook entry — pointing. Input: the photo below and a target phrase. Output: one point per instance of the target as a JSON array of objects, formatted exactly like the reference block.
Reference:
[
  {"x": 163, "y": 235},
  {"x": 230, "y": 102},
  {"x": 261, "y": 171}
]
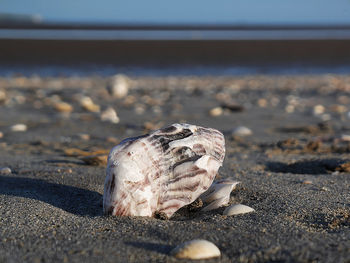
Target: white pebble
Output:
[
  {"x": 196, "y": 249},
  {"x": 119, "y": 86},
  {"x": 237, "y": 209},
  {"x": 110, "y": 115},
  {"x": 5, "y": 170},
  {"x": 318, "y": 109},
  {"x": 242, "y": 131},
  {"x": 217, "y": 111},
  {"x": 89, "y": 105},
  {"x": 19, "y": 127}
]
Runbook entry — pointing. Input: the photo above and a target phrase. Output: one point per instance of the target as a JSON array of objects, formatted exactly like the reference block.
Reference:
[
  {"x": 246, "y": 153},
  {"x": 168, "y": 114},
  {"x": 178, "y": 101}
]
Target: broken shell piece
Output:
[
  {"x": 237, "y": 209},
  {"x": 110, "y": 115},
  {"x": 196, "y": 249},
  {"x": 162, "y": 171},
  {"x": 215, "y": 204},
  {"x": 218, "y": 194}
]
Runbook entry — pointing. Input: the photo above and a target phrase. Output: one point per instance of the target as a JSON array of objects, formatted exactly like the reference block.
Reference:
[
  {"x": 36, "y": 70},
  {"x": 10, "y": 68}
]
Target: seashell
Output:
[
  {"x": 237, "y": 209},
  {"x": 160, "y": 172},
  {"x": 218, "y": 194},
  {"x": 196, "y": 249}
]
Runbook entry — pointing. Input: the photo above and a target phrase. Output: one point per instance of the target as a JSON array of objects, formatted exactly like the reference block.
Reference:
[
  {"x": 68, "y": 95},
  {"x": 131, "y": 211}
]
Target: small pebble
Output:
[
  {"x": 63, "y": 107},
  {"x": 289, "y": 108},
  {"x": 112, "y": 140},
  {"x": 262, "y": 103},
  {"x": 318, "y": 109},
  {"x": 2, "y": 96},
  {"x": 19, "y": 127},
  {"x": 110, "y": 115},
  {"x": 338, "y": 108},
  {"x": 83, "y": 136},
  {"x": 345, "y": 137},
  {"x": 325, "y": 189},
  {"x": 237, "y": 209},
  {"x": 5, "y": 171},
  {"x": 326, "y": 117},
  {"x": 139, "y": 109},
  {"x": 1, "y": 135},
  {"x": 119, "y": 86},
  {"x": 196, "y": 249},
  {"x": 307, "y": 182},
  {"x": 217, "y": 111},
  {"x": 89, "y": 105},
  {"x": 242, "y": 131}
]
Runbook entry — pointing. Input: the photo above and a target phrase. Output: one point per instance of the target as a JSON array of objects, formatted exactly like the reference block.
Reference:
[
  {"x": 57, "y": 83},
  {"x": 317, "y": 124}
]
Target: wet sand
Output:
[{"x": 294, "y": 168}]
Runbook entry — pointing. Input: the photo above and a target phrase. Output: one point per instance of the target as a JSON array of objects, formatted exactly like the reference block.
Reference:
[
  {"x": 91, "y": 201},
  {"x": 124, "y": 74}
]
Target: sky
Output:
[{"x": 234, "y": 12}]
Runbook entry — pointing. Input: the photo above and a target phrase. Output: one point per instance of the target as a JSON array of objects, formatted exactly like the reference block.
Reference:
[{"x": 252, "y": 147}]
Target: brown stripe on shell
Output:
[
  {"x": 190, "y": 174},
  {"x": 191, "y": 187}
]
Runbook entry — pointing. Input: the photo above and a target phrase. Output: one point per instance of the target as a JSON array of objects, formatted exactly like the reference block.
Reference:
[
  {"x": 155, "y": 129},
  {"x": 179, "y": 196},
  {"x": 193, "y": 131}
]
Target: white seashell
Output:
[
  {"x": 218, "y": 194},
  {"x": 119, "y": 86},
  {"x": 196, "y": 249},
  {"x": 19, "y": 127},
  {"x": 242, "y": 131},
  {"x": 162, "y": 171},
  {"x": 110, "y": 115},
  {"x": 5, "y": 171},
  {"x": 237, "y": 209}
]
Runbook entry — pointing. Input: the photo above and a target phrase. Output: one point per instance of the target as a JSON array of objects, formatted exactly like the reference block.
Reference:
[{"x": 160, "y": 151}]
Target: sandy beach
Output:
[{"x": 294, "y": 168}]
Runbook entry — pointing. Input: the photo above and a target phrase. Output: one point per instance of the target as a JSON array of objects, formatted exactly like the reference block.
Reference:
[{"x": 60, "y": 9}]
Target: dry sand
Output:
[{"x": 293, "y": 169}]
